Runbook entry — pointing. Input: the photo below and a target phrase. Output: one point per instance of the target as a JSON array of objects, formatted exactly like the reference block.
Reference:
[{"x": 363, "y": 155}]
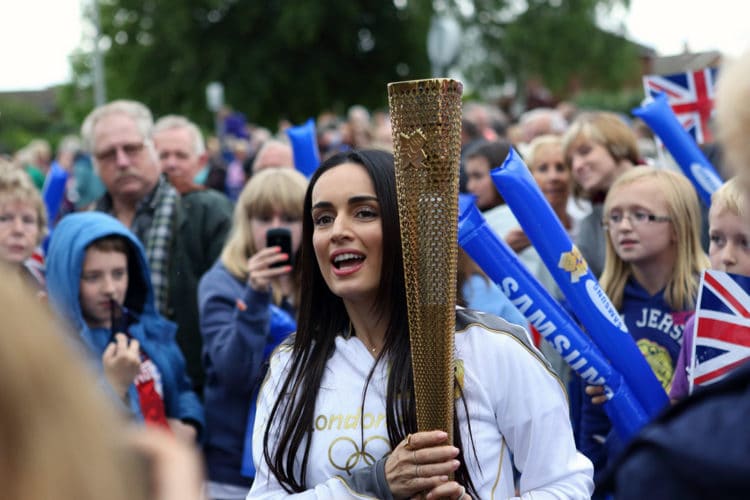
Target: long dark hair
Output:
[{"x": 322, "y": 316}]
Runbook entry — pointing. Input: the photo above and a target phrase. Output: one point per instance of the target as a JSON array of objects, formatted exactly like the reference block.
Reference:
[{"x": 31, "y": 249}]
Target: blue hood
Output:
[{"x": 67, "y": 250}]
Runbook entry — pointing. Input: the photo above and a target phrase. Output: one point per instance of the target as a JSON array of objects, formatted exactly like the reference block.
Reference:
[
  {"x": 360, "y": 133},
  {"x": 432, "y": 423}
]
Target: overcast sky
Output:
[{"x": 37, "y": 35}]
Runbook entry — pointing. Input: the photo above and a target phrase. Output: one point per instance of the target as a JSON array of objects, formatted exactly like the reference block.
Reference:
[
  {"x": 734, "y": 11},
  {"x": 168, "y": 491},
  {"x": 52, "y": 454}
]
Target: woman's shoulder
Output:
[
  {"x": 495, "y": 347},
  {"x": 473, "y": 321}
]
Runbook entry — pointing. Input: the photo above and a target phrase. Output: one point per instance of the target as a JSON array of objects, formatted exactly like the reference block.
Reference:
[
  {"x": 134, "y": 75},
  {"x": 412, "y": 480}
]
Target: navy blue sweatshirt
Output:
[
  {"x": 240, "y": 328},
  {"x": 657, "y": 330}
]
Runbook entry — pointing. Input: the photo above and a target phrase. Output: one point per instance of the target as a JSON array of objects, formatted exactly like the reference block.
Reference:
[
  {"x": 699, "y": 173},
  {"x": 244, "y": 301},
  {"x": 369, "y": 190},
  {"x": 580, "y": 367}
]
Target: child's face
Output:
[
  {"x": 104, "y": 277},
  {"x": 638, "y": 224},
  {"x": 730, "y": 242},
  {"x": 19, "y": 231}
]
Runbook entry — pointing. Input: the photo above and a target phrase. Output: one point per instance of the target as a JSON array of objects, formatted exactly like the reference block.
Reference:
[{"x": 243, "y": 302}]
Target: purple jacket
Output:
[{"x": 680, "y": 383}]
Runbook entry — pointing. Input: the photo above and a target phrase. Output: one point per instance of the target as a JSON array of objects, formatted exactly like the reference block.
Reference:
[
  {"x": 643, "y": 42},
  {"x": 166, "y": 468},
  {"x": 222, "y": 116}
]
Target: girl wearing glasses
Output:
[{"x": 651, "y": 273}]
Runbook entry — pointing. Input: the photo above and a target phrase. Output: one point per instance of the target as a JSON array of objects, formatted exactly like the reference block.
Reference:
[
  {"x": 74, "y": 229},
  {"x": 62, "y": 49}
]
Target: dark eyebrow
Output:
[
  {"x": 352, "y": 201},
  {"x": 322, "y": 204},
  {"x": 362, "y": 198}
]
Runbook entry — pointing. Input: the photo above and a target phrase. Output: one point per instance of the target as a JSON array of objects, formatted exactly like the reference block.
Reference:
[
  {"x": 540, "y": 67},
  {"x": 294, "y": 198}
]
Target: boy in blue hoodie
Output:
[{"x": 98, "y": 280}]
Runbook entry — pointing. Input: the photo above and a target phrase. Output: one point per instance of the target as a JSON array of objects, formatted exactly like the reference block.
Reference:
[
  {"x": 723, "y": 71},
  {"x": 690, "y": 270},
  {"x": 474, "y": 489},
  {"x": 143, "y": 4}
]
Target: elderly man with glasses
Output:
[{"x": 183, "y": 236}]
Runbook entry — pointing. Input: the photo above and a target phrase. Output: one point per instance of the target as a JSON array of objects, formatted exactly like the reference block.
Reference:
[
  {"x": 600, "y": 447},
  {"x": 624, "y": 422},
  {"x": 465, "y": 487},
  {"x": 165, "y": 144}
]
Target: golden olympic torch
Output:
[{"x": 426, "y": 122}]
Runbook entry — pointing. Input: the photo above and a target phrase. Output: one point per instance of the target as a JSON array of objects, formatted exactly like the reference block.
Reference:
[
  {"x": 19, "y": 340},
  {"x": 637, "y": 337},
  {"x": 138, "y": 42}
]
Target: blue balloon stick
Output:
[
  {"x": 304, "y": 141},
  {"x": 566, "y": 264},
  {"x": 503, "y": 267},
  {"x": 661, "y": 118},
  {"x": 53, "y": 191}
]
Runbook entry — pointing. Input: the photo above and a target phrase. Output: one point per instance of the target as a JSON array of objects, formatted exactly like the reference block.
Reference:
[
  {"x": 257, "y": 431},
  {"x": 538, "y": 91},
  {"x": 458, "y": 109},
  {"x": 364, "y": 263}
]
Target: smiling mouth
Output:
[{"x": 347, "y": 260}]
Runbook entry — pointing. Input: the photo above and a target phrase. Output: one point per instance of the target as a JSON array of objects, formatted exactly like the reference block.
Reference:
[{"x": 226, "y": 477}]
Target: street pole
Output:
[
  {"x": 443, "y": 43},
  {"x": 100, "y": 90}
]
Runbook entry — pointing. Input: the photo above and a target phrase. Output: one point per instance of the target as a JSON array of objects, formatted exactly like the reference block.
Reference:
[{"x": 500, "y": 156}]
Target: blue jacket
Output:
[
  {"x": 657, "y": 330},
  {"x": 155, "y": 334},
  {"x": 240, "y": 329},
  {"x": 696, "y": 449}
]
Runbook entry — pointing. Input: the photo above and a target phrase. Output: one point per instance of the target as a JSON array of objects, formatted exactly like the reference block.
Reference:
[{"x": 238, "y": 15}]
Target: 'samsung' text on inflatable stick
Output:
[{"x": 503, "y": 267}]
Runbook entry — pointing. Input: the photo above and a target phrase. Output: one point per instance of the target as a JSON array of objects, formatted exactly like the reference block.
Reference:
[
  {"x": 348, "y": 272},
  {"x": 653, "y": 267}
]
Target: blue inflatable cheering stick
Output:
[
  {"x": 281, "y": 325},
  {"x": 569, "y": 268},
  {"x": 659, "y": 116},
  {"x": 502, "y": 265},
  {"x": 305, "y": 147},
  {"x": 53, "y": 191}
]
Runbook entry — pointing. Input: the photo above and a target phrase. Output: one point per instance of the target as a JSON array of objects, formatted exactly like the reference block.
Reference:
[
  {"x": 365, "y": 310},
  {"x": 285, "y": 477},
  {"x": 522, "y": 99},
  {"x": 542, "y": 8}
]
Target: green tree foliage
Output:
[
  {"x": 556, "y": 41},
  {"x": 294, "y": 58},
  {"x": 22, "y": 121},
  {"x": 76, "y": 98},
  {"x": 275, "y": 58}
]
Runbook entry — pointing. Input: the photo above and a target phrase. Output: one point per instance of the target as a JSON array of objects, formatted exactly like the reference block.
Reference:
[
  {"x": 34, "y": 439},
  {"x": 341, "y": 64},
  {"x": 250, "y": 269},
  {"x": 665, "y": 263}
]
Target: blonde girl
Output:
[
  {"x": 652, "y": 272},
  {"x": 246, "y": 307},
  {"x": 674, "y": 267},
  {"x": 271, "y": 198}
]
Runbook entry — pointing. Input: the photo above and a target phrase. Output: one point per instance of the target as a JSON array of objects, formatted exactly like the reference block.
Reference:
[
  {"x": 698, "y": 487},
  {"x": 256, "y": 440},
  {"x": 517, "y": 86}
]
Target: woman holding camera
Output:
[{"x": 246, "y": 304}]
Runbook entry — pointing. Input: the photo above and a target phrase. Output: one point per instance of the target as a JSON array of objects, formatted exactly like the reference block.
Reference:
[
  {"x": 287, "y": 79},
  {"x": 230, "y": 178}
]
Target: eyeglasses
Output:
[
  {"x": 131, "y": 150},
  {"x": 636, "y": 219}
]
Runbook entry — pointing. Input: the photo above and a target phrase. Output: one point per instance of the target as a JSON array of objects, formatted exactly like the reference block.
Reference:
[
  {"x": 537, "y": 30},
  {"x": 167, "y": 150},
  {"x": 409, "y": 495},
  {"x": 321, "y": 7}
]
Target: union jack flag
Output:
[
  {"x": 691, "y": 96},
  {"x": 722, "y": 326}
]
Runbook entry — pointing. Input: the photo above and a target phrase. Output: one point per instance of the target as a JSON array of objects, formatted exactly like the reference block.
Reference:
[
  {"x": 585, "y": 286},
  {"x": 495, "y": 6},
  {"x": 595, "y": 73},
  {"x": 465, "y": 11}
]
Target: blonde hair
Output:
[
  {"x": 685, "y": 215},
  {"x": 729, "y": 197},
  {"x": 17, "y": 187},
  {"x": 61, "y": 440},
  {"x": 542, "y": 142},
  {"x": 733, "y": 117},
  {"x": 606, "y": 129},
  {"x": 268, "y": 190},
  {"x": 40, "y": 150}
]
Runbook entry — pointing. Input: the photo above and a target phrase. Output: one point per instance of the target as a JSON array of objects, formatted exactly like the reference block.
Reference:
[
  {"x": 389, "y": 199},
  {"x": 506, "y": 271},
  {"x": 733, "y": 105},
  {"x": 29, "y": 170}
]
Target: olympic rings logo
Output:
[{"x": 343, "y": 443}]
